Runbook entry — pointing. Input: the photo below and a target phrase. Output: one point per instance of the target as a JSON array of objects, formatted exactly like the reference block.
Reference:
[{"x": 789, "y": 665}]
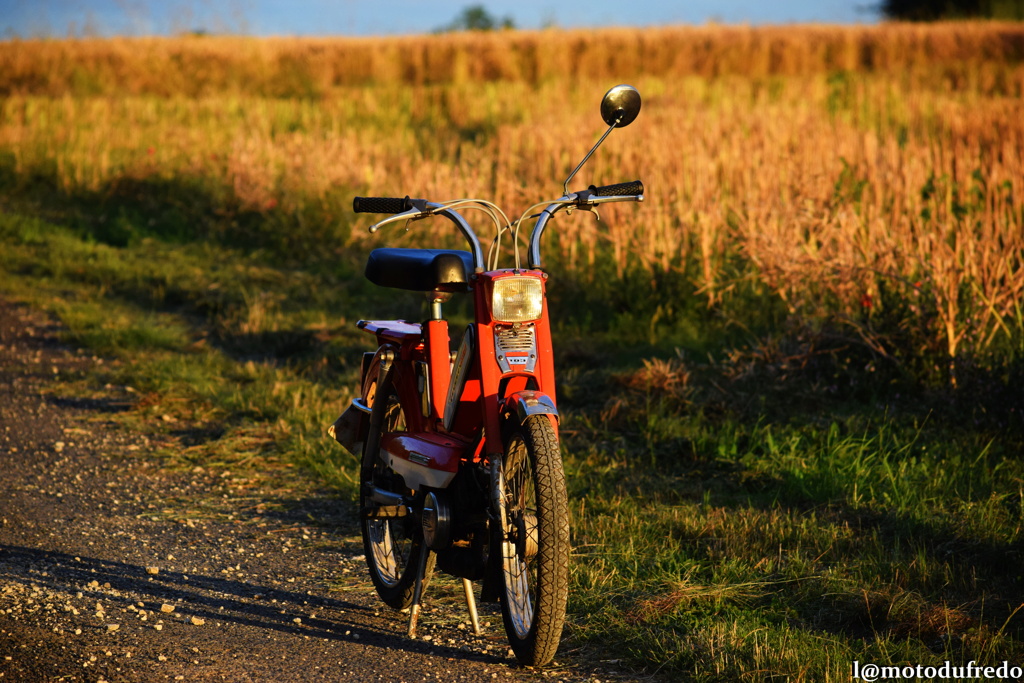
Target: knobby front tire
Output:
[
  {"x": 392, "y": 545},
  {"x": 532, "y": 540}
]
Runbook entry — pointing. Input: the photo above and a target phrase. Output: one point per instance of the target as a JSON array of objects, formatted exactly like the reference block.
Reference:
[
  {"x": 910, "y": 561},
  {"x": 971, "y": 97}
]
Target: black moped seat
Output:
[{"x": 421, "y": 270}]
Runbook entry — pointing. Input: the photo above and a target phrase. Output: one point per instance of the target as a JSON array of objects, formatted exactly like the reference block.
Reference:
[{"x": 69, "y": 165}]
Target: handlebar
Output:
[
  {"x": 382, "y": 204},
  {"x": 630, "y": 189},
  {"x": 404, "y": 208},
  {"x": 605, "y": 194}
]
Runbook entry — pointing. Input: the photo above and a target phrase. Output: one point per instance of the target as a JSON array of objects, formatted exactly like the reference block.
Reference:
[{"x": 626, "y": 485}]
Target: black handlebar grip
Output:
[
  {"x": 381, "y": 204},
  {"x": 618, "y": 190}
]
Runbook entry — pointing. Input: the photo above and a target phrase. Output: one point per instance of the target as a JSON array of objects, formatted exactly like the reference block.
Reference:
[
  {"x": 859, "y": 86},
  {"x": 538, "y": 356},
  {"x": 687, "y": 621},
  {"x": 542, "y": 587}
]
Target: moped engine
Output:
[{"x": 437, "y": 521}]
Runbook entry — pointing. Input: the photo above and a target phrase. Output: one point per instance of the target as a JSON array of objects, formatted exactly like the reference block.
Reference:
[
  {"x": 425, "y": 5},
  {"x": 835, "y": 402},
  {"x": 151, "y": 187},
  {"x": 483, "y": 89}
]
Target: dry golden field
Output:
[
  {"x": 288, "y": 67},
  {"x": 866, "y": 173}
]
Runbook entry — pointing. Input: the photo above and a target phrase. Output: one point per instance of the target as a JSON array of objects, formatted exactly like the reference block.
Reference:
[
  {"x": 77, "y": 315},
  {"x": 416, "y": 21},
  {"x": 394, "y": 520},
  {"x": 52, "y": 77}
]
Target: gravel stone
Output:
[{"x": 80, "y": 525}]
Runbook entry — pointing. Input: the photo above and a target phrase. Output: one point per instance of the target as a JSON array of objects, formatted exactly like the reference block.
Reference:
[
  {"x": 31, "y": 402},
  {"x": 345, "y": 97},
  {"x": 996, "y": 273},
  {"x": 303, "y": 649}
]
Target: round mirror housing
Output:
[{"x": 620, "y": 106}]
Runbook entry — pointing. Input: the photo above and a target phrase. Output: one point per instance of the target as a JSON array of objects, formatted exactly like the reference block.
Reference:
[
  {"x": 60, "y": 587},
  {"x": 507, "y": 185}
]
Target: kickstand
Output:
[
  {"x": 467, "y": 586},
  {"x": 417, "y": 593}
]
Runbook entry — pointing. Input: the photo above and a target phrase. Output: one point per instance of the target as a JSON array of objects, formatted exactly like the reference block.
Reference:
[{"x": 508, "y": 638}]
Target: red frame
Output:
[{"x": 487, "y": 388}]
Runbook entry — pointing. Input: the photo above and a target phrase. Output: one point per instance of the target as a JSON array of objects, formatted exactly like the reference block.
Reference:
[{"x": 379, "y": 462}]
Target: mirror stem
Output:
[{"x": 565, "y": 186}]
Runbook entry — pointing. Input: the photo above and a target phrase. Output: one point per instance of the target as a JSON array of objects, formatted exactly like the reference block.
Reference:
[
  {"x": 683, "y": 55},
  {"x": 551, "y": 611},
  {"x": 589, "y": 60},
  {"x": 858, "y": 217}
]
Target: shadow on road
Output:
[{"x": 213, "y": 599}]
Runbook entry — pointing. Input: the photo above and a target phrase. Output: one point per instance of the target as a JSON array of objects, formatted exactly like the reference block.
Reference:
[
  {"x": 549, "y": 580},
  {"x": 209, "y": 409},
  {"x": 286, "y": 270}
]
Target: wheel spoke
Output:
[
  {"x": 520, "y": 583},
  {"x": 532, "y": 537},
  {"x": 390, "y": 547},
  {"x": 390, "y": 559},
  {"x": 518, "y": 591}
]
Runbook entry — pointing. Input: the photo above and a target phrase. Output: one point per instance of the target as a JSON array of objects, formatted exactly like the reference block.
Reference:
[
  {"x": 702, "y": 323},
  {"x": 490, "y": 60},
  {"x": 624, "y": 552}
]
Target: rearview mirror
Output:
[{"x": 620, "y": 106}]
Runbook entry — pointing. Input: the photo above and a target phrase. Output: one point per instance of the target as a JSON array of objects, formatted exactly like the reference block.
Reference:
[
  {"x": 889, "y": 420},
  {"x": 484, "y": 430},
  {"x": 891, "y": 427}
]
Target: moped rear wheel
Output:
[
  {"x": 392, "y": 545},
  {"x": 532, "y": 540}
]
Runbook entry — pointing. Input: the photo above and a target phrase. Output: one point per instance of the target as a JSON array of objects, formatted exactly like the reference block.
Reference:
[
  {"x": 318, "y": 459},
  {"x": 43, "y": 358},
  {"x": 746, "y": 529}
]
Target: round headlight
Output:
[{"x": 517, "y": 299}]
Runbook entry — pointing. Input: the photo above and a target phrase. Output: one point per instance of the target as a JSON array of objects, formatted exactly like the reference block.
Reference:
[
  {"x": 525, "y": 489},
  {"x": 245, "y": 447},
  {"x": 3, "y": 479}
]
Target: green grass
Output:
[
  {"x": 734, "y": 517},
  {"x": 790, "y": 551},
  {"x": 211, "y": 336},
  {"x": 753, "y": 498}
]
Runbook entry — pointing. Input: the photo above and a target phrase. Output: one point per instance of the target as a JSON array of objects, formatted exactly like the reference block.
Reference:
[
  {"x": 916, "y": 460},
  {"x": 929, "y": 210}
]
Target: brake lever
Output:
[
  {"x": 413, "y": 214},
  {"x": 581, "y": 200}
]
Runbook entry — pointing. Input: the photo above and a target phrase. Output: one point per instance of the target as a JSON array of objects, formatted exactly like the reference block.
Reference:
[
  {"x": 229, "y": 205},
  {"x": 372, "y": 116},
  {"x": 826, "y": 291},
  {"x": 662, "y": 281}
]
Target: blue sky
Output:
[{"x": 57, "y": 18}]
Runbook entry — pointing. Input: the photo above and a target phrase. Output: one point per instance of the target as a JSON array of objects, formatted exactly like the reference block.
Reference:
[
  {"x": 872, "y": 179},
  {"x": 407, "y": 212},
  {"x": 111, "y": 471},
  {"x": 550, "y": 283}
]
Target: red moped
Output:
[{"x": 460, "y": 462}]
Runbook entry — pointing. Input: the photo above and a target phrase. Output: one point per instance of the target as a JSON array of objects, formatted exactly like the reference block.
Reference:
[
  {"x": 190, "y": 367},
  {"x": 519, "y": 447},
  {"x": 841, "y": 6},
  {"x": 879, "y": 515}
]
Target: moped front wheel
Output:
[
  {"x": 392, "y": 545},
  {"x": 531, "y": 540}
]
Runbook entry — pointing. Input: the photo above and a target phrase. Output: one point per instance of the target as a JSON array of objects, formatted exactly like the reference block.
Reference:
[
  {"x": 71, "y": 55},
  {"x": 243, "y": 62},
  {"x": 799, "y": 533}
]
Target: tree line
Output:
[{"x": 934, "y": 10}]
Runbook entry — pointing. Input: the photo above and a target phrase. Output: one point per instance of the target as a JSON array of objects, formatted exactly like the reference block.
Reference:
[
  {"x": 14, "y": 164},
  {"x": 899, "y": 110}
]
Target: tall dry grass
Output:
[
  {"x": 290, "y": 67},
  {"x": 872, "y": 175}
]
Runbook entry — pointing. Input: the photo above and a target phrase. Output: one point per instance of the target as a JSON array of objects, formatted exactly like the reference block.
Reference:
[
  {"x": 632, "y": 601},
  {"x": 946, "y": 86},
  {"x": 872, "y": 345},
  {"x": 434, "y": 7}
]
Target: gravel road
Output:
[{"x": 116, "y": 565}]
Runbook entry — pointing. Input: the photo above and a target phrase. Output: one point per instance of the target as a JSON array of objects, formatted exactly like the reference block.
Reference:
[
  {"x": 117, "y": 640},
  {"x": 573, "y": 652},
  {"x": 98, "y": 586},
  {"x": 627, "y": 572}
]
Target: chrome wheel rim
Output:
[
  {"x": 389, "y": 540},
  {"x": 517, "y": 504}
]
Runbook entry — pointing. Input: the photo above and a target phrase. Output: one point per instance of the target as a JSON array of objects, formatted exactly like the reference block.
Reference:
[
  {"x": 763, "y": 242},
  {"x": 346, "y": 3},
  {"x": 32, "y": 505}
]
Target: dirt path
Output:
[{"x": 115, "y": 567}]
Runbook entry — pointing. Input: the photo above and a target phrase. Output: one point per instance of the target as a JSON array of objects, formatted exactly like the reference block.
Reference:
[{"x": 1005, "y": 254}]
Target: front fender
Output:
[{"x": 526, "y": 403}]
